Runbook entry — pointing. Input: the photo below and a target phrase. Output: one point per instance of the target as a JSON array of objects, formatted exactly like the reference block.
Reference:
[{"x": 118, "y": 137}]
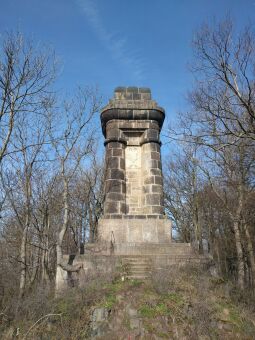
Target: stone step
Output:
[
  {"x": 138, "y": 267},
  {"x": 165, "y": 252},
  {"x": 152, "y": 257},
  {"x": 139, "y": 271},
  {"x": 137, "y": 277},
  {"x": 136, "y": 258},
  {"x": 151, "y": 244},
  {"x": 137, "y": 261},
  {"x": 152, "y": 249}
]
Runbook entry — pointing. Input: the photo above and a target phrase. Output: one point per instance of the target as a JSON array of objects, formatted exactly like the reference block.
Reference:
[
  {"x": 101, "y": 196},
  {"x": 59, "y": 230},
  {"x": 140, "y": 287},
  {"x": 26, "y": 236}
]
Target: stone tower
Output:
[
  {"x": 133, "y": 233},
  {"x": 133, "y": 207}
]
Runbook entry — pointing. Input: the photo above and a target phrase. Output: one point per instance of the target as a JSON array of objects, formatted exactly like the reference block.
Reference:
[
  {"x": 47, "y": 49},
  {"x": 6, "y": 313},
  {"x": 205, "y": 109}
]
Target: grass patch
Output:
[
  {"x": 135, "y": 283},
  {"x": 176, "y": 298},
  {"x": 110, "y": 301},
  {"x": 228, "y": 312},
  {"x": 115, "y": 286},
  {"x": 151, "y": 311}
]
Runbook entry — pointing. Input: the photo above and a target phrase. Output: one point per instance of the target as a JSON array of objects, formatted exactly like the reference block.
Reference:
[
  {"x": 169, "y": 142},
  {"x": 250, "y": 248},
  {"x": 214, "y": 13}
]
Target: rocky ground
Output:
[
  {"x": 184, "y": 303},
  {"x": 190, "y": 305}
]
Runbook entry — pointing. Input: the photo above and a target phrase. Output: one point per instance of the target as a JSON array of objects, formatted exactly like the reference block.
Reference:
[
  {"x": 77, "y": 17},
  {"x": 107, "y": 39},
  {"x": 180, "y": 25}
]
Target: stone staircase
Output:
[
  {"x": 137, "y": 267},
  {"x": 136, "y": 260},
  {"x": 139, "y": 260}
]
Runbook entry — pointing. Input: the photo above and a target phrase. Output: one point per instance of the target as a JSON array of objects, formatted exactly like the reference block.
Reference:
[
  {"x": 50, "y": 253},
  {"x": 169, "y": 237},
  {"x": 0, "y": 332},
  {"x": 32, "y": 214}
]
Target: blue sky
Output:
[{"x": 113, "y": 43}]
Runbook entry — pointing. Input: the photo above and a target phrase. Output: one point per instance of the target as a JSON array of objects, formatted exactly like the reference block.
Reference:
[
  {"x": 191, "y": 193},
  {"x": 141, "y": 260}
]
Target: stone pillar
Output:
[
  {"x": 115, "y": 187},
  {"x": 133, "y": 207},
  {"x": 152, "y": 179}
]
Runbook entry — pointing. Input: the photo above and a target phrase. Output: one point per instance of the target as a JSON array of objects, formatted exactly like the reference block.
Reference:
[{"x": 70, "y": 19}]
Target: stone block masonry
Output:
[{"x": 131, "y": 124}]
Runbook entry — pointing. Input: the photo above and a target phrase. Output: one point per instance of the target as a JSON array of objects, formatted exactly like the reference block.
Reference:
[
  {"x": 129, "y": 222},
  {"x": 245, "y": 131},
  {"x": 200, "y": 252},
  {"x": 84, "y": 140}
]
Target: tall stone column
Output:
[
  {"x": 152, "y": 179},
  {"x": 133, "y": 207},
  {"x": 115, "y": 187}
]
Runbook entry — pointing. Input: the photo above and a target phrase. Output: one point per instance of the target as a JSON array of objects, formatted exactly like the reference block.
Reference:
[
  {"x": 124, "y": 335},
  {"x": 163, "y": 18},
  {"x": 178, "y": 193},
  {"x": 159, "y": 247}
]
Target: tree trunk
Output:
[
  {"x": 61, "y": 264},
  {"x": 23, "y": 271},
  {"x": 45, "y": 258},
  {"x": 250, "y": 252},
  {"x": 198, "y": 229},
  {"x": 63, "y": 230},
  {"x": 91, "y": 225},
  {"x": 240, "y": 255}
]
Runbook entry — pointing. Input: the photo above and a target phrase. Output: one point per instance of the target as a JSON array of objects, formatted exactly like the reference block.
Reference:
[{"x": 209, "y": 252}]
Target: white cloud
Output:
[{"x": 116, "y": 45}]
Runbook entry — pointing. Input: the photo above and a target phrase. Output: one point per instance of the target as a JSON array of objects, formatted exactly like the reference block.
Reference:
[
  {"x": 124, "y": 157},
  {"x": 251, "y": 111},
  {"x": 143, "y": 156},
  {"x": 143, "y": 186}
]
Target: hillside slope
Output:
[{"x": 184, "y": 303}]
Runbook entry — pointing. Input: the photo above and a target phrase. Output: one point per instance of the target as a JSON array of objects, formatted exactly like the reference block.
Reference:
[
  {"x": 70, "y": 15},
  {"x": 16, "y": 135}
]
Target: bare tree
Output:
[
  {"x": 224, "y": 93},
  {"x": 24, "y": 167},
  {"x": 181, "y": 194},
  {"x": 94, "y": 188},
  {"x": 220, "y": 123},
  {"x": 73, "y": 147},
  {"x": 26, "y": 74}
]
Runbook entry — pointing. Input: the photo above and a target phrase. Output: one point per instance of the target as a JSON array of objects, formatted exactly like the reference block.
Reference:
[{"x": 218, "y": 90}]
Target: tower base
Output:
[{"x": 134, "y": 230}]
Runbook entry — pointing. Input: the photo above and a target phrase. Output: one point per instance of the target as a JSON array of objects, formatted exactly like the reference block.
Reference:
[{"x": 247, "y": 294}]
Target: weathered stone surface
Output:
[
  {"x": 135, "y": 229},
  {"x": 116, "y": 174},
  {"x": 114, "y": 186},
  {"x": 111, "y": 207},
  {"x": 131, "y": 123},
  {"x": 112, "y": 162},
  {"x": 117, "y": 152},
  {"x": 133, "y": 152},
  {"x": 132, "y": 103}
]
